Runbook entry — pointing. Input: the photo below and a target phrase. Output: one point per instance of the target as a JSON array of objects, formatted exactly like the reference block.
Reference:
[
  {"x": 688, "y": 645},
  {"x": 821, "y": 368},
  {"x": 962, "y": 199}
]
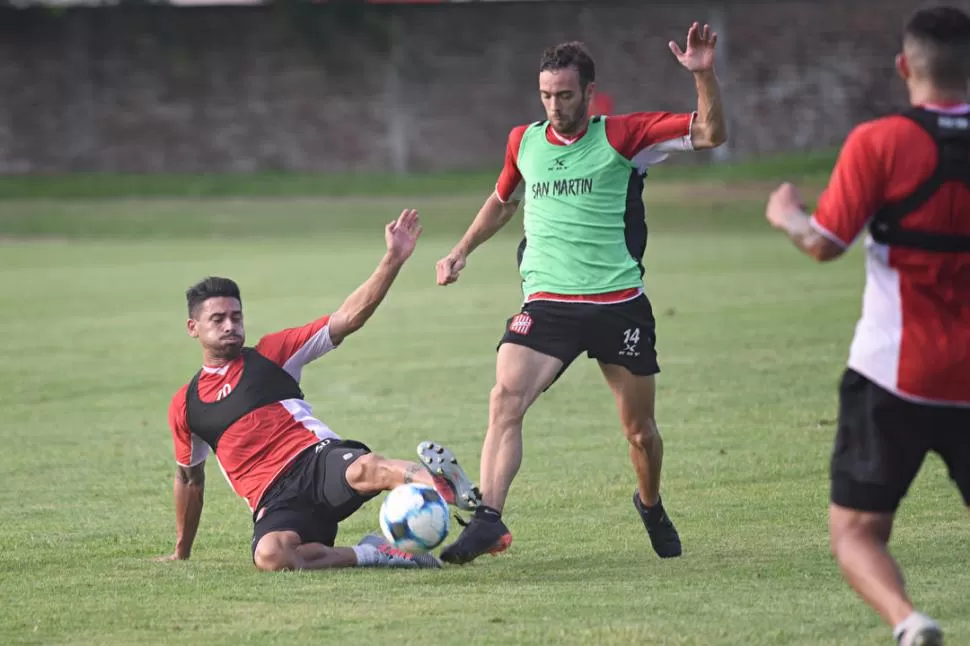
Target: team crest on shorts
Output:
[{"x": 520, "y": 324}]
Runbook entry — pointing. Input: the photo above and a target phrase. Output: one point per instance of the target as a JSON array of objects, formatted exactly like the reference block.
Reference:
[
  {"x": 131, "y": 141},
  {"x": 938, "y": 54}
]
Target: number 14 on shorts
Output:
[{"x": 631, "y": 337}]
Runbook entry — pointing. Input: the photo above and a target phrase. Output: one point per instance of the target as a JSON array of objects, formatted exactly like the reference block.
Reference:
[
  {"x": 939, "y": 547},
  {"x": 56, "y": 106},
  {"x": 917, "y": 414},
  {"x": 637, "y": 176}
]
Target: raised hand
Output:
[
  {"x": 402, "y": 234},
  {"x": 699, "y": 55}
]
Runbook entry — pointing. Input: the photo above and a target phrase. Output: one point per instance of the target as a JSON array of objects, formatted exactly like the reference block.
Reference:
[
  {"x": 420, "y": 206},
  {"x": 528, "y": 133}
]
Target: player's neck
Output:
[
  {"x": 574, "y": 134},
  {"x": 925, "y": 94},
  {"x": 213, "y": 363}
]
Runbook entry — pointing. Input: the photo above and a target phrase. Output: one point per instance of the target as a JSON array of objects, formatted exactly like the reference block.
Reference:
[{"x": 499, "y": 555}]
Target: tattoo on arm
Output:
[
  {"x": 410, "y": 471},
  {"x": 192, "y": 475}
]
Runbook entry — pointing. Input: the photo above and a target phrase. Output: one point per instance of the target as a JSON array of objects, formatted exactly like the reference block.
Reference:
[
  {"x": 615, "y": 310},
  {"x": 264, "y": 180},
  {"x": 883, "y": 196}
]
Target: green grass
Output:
[
  {"x": 752, "y": 339},
  {"x": 114, "y": 185}
]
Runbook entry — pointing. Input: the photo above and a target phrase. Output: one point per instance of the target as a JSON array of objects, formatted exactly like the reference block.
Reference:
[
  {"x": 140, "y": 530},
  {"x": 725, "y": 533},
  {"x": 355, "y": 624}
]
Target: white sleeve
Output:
[
  {"x": 316, "y": 346},
  {"x": 517, "y": 194},
  {"x": 678, "y": 144},
  {"x": 200, "y": 451}
]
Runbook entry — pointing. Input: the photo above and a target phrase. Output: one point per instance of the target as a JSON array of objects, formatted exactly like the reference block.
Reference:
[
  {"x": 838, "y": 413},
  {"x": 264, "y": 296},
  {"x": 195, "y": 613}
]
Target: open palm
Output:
[
  {"x": 699, "y": 55},
  {"x": 402, "y": 234}
]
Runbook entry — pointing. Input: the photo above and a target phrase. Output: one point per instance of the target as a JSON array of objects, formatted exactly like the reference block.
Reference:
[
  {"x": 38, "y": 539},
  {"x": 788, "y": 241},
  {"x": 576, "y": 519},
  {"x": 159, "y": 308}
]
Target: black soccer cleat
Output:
[
  {"x": 663, "y": 534},
  {"x": 485, "y": 533}
]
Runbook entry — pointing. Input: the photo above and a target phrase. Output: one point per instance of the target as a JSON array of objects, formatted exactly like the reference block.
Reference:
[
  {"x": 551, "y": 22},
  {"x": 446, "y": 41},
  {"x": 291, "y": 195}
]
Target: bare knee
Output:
[
  {"x": 849, "y": 527},
  {"x": 643, "y": 434},
  {"x": 842, "y": 537},
  {"x": 507, "y": 405},
  {"x": 274, "y": 555},
  {"x": 364, "y": 473}
]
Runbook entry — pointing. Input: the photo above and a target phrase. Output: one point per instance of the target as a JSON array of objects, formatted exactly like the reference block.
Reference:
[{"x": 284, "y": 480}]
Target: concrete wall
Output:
[{"x": 409, "y": 88}]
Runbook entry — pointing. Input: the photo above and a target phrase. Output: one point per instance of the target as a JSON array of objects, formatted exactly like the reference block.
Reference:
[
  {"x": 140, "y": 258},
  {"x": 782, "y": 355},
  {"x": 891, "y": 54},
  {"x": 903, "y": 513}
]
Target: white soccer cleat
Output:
[{"x": 449, "y": 478}]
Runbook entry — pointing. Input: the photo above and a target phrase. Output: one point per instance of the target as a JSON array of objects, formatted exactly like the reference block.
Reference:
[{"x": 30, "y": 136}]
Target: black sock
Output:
[
  {"x": 484, "y": 512},
  {"x": 651, "y": 509}
]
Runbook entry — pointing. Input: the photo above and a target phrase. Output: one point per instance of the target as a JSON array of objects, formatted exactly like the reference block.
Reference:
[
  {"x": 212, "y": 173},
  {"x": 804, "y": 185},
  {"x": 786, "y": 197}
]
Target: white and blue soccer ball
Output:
[{"x": 414, "y": 518}]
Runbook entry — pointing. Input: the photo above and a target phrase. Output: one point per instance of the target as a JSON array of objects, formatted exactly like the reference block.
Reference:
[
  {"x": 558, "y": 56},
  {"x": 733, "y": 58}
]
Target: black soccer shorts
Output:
[
  {"x": 621, "y": 333},
  {"x": 882, "y": 441},
  {"x": 312, "y": 496}
]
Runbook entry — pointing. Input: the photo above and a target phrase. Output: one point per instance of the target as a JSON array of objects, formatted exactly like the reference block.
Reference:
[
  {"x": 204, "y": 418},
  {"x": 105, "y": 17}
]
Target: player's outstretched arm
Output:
[
  {"x": 709, "y": 129},
  {"x": 189, "y": 489},
  {"x": 401, "y": 236},
  {"x": 786, "y": 212},
  {"x": 492, "y": 217}
]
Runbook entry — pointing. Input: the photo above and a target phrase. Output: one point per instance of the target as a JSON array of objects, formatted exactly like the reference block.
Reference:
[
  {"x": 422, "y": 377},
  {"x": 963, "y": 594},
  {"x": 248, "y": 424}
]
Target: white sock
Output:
[
  {"x": 913, "y": 621},
  {"x": 368, "y": 556}
]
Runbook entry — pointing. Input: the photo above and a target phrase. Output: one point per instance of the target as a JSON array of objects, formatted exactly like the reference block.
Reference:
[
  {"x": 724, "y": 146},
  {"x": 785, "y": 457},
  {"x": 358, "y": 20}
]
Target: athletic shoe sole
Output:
[{"x": 440, "y": 461}]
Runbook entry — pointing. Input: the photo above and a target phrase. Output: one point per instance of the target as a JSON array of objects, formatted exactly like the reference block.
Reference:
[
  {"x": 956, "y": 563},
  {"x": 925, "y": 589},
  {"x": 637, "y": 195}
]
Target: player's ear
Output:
[
  {"x": 590, "y": 91},
  {"x": 902, "y": 66},
  {"x": 192, "y": 327}
]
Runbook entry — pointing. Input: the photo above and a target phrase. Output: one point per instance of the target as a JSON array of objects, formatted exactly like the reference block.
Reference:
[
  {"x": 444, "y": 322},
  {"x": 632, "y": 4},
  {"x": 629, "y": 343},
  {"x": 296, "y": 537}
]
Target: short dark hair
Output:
[
  {"x": 210, "y": 287},
  {"x": 572, "y": 54},
  {"x": 942, "y": 35}
]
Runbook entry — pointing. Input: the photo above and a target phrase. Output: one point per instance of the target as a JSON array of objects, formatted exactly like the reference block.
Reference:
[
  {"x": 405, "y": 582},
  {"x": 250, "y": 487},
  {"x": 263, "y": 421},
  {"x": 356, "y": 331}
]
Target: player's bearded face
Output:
[
  {"x": 219, "y": 327},
  {"x": 565, "y": 100}
]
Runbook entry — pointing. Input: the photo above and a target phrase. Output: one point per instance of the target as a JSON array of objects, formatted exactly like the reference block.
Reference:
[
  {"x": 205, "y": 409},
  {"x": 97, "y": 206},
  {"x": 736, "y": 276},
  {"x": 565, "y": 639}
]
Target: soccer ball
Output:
[{"x": 414, "y": 518}]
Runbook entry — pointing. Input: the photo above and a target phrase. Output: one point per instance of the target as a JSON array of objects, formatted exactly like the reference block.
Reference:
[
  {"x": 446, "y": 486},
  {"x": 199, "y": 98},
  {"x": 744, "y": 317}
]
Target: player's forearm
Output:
[
  {"x": 363, "y": 302},
  {"x": 492, "y": 217},
  {"x": 189, "y": 492},
  {"x": 710, "y": 128},
  {"x": 798, "y": 226}
]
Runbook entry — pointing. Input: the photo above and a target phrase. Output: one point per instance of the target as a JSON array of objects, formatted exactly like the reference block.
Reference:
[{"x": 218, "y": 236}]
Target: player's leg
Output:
[
  {"x": 634, "y": 396},
  {"x": 879, "y": 448},
  {"x": 287, "y": 535},
  {"x": 296, "y": 526},
  {"x": 521, "y": 374},
  {"x": 371, "y": 473},
  {"x": 622, "y": 338},
  {"x": 367, "y": 474},
  {"x": 276, "y": 551},
  {"x": 953, "y": 445},
  {"x": 537, "y": 346},
  {"x": 285, "y": 550},
  {"x": 952, "y": 441},
  {"x": 859, "y": 542}
]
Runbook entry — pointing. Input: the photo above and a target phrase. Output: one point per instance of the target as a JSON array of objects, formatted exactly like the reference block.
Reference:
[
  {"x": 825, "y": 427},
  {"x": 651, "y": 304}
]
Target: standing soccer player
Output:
[
  {"x": 906, "y": 390},
  {"x": 581, "y": 179}
]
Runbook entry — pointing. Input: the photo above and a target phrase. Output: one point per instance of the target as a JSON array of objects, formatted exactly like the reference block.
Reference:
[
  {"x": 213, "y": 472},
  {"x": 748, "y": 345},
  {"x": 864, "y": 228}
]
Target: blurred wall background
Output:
[{"x": 362, "y": 87}]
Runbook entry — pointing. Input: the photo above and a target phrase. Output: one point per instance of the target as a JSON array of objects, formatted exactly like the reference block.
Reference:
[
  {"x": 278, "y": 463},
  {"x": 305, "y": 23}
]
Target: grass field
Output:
[{"x": 752, "y": 339}]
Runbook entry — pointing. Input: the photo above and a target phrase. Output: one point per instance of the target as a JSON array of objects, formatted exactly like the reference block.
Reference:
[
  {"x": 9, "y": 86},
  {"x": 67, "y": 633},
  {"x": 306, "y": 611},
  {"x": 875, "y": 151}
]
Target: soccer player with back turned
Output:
[{"x": 906, "y": 390}]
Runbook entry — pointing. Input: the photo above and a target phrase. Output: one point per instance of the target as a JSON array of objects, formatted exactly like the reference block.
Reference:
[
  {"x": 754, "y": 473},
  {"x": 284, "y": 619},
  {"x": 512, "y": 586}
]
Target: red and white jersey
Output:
[
  {"x": 259, "y": 446},
  {"x": 645, "y": 138},
  {"x": 913, "y": 337}
]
